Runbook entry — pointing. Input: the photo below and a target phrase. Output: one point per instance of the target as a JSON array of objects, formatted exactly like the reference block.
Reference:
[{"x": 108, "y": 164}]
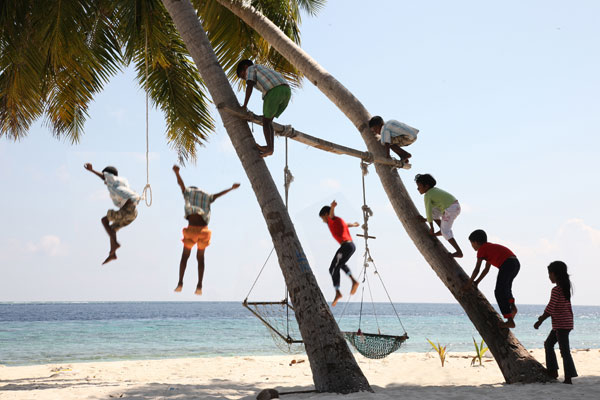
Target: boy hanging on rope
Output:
[
  {"x": 441, "y": 207},
  {"x": 124, "y": 198},
  {"x": 276, "y": 95},
  {"x": 339, "y": 231},
  {"x": 197, "y": 212},
  {"x": 393, "y": 135},
  {"x": 508, "y": 268}
]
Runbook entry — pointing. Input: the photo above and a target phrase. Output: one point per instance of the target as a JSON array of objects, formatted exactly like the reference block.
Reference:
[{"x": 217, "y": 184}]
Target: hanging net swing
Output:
[
  {"x": 372, "y": 345},
  {"x": 278, "y": 316}
]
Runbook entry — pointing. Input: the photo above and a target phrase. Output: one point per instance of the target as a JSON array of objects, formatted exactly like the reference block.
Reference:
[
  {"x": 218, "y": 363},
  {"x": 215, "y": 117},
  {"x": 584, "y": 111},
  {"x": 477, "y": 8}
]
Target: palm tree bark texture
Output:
[
  {"x": 332, "y": 363},
  {"x": 515, "y": 362}
]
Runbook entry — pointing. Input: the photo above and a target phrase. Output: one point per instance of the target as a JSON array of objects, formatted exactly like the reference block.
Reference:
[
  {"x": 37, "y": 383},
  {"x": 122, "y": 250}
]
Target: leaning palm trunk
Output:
[
  {"x": 333, "y": 365},
  {"x": 516, "y": 364}
]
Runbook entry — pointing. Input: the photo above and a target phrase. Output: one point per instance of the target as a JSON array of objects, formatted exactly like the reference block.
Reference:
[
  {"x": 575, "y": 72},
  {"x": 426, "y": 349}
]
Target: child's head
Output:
[
  {"x": 557, "y": 272},
  {"x": 478, "y": 238},
  {"x": 424, "y": 182},
  {"x": 111, "y": 170},
  {"x": 324, "y": 213},
  {"x": 242, "y": 67},
  {"x": 375, "y": 124}
]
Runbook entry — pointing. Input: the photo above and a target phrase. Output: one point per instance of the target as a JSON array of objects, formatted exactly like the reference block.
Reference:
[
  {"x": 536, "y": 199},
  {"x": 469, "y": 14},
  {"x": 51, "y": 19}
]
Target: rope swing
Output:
[
  {"x": 277, "y": 315},
  {"x": 371, "y": 345},
  {"x": 147, "y": 191}
]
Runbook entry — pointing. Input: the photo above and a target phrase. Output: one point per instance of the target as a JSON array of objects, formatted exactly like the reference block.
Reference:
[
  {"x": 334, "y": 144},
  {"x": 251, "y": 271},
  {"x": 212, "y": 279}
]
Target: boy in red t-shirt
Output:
[
  {"x": 508, "y": 268},
  {"x": 339, "y": 231}
]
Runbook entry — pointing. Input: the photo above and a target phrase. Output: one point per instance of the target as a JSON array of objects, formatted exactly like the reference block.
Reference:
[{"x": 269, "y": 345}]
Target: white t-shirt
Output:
[{"x": 119, "y": 190}]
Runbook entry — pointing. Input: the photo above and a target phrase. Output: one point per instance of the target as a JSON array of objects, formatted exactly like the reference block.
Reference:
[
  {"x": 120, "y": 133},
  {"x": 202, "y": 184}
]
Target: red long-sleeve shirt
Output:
[{"x": 559, "y": 308}]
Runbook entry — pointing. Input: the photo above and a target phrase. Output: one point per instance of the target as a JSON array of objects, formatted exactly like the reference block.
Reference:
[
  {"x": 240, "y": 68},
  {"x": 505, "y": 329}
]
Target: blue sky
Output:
[{"x": 506, "y": 99}]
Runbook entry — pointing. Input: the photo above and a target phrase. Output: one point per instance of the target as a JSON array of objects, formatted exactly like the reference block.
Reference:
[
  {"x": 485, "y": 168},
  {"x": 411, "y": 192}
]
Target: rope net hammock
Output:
[{"x": 374, "y": 346}]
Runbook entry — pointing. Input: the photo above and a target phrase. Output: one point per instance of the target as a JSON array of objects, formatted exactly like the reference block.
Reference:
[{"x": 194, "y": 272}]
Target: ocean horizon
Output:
[{"x": 88, "y": 331}]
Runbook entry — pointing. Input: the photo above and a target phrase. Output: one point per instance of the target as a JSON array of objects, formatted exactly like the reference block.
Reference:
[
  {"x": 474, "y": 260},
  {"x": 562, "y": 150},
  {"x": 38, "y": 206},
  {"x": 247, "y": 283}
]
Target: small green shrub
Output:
[
  {"x": 440, "y": 350},
  {"x": 479, "y": 351}
]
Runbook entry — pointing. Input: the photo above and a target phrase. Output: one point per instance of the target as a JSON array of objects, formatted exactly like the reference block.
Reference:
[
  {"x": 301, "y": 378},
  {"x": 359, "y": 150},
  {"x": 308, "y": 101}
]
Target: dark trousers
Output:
[
  {"x": 339, "y": 262},
  {"x": 562, "y": 337},
  {"x": 503, "y": 292}
]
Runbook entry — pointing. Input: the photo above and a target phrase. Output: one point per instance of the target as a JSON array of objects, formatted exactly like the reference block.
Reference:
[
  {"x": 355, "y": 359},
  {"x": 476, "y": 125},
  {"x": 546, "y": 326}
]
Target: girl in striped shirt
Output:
[{"x": 559, "y": 308}]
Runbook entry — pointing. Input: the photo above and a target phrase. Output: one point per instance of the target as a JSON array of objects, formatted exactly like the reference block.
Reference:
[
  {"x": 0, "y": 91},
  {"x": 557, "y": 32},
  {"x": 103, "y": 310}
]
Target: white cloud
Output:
[
  {"x": 330, "y": 184},
  {"x": 50, "y": 245}
]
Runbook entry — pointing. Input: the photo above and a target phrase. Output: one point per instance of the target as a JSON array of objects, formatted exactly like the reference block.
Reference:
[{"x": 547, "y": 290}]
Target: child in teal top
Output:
[{"x": 441, "y": 207}]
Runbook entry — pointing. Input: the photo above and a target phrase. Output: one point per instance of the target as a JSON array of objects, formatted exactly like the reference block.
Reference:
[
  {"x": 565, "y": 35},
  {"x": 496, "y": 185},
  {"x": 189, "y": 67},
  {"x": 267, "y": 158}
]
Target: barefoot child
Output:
[
  {"x": 197, "y": 212},
  {"x": 508, "y": 268},
  {"x": 276, "y": 95},
  {"x": 339, "y": 231},
  {"x": 559, "y": 308},
  {"x": 441, "y": 207},
  {"x": 124, "y": 198},
  {"x": 393, "y": 135}
]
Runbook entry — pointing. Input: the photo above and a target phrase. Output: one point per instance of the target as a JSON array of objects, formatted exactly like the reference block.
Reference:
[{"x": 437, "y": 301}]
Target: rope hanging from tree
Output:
[
  {"x": 282, "y": 328},
  {"x": 371, "y": 345},
  {"x": 147, "y": 191}
]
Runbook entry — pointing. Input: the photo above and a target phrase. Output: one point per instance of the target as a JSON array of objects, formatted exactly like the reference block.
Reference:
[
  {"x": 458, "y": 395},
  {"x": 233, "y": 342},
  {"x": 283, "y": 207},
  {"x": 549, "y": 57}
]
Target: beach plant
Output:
[
  {"x": 441, "y": 350},
  {"x": 479, "y": 351}
]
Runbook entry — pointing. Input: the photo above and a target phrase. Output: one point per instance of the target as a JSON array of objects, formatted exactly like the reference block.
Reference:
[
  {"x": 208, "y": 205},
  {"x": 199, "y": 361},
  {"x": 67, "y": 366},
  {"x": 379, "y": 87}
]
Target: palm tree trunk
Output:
[
  {"x": 333, "y": 365},
  {"x": 516, "y": 364}
]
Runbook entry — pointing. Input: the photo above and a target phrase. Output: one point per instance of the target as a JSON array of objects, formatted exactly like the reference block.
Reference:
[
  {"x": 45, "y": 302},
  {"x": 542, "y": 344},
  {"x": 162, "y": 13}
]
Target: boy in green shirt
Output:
[{"x": 441, "y": 207}]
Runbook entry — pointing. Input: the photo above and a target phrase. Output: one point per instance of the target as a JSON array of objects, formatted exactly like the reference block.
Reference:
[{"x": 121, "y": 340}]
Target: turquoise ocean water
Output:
[{"x": 40, "y": 333}]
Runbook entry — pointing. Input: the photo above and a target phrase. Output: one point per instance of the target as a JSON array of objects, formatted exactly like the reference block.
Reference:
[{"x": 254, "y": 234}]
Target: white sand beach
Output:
[{"x": 401, "y": 375}]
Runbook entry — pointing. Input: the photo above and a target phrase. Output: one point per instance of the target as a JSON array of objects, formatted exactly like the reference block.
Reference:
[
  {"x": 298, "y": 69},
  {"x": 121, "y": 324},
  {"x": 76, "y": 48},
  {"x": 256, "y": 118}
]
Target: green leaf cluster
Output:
[{"x": 56, "y": 56}]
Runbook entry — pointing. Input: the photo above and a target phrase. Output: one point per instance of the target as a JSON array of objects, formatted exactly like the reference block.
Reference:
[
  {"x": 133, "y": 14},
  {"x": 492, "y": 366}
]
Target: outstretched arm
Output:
[
  {"x": 249, "y": 87},
  {"x": 332, "y": 209},
  {"x": 217, "y": 195},
  {"x": 353, "y": 225},
  {"x": 483, "y": 273},
  {"x": 179, "y": 180},
  {"x": 89, "y": 167}
]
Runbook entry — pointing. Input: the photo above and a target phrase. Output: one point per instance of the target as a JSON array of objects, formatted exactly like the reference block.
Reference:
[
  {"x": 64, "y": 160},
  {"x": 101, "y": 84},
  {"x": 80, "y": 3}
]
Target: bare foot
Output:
[
  {"x": 179, "y": 287},
  {"x": 111, "y": 256},
  {"x": 568, "y": 381},
  {"x": 457, "y": 254},
  {"x": 198, "y": 291},
  {"x": 553, "y": 374},
  {"x": 260, "y": 148},
  {"x": 354, "y": 287},
  {"x": 338, "y": 296},
  {"x": 508, "y": 324}
]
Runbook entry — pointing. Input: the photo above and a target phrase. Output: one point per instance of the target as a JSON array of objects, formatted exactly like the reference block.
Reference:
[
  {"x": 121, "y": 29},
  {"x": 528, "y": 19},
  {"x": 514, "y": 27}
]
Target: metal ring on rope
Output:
[{"x": 147, "y": 190}]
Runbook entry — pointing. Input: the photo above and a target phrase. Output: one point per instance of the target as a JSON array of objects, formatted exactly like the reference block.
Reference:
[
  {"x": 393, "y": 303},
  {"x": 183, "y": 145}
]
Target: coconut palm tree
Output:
[
  {"x": 54, "y": 57},
  {"x": 516, "y": 364}
]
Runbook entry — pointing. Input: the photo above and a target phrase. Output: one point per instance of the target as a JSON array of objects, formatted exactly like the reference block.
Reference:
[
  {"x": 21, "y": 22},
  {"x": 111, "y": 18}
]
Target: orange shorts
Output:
[{"x": 196, "y": 235}]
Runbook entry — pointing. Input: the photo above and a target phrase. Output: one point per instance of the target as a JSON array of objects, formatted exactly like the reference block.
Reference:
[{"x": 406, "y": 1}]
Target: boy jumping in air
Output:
[
  {"x": 197, "y": 212},
  {"x": 276, "y": 95},
  {"x": 508, "y": 268},
  {"x": 124, "y": 198},
  {"x": 393, "y": 135},
  {"x": 441, "y": 207},
  {"x": 339, "y": 231}
]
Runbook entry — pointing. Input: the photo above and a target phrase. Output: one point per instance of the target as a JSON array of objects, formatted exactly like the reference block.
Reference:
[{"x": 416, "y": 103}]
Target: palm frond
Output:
[
  {"x": 21, "y": 65},
  {"x": 174, "y": 84}
]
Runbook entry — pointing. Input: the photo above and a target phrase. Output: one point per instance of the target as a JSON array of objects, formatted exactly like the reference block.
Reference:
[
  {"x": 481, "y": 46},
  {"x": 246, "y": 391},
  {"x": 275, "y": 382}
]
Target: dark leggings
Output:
[
  {"x": 339, "y": 261},
  {"x": 562, "y": 337},
  {"x": 506, "y": 274}
]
